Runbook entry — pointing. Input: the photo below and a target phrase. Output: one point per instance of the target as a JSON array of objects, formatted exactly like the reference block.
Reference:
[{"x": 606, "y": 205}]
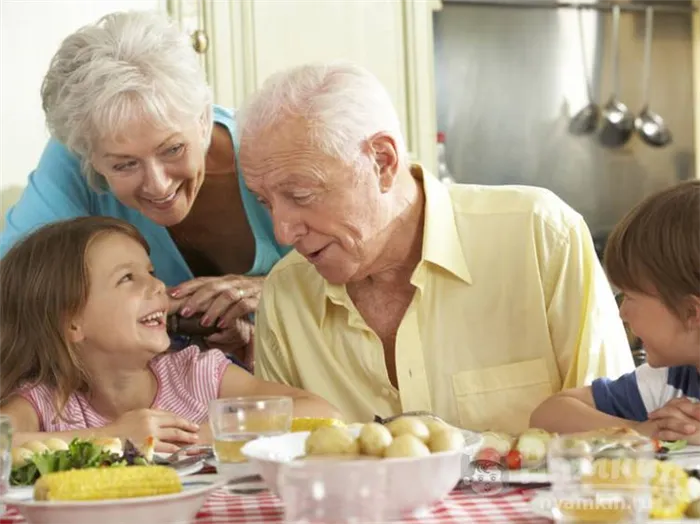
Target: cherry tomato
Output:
[
  {"x": 514, "y": 459},
  {"x": 488, "y": 455}
]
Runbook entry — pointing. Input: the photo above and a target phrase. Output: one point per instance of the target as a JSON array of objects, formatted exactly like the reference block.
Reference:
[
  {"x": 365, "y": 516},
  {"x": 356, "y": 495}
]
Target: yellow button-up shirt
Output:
[{"x": 511, "y": 305}]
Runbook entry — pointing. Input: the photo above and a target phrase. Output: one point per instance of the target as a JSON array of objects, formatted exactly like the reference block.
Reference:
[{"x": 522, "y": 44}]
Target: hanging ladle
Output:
[
  {"x": 619, "y": 120},
  {"x": 586, "y": 120},
  {"x": 650, "y": 126}
]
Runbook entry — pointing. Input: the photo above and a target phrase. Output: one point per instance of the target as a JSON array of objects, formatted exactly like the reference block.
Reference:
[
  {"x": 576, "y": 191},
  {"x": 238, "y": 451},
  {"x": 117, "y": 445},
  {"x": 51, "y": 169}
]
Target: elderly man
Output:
[{"x": 475, "y": 303}]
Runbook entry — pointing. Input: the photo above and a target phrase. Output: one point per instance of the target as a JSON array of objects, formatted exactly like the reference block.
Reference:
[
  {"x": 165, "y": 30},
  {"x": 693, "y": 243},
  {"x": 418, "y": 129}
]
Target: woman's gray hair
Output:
[
  {"x": 126, "y": 66},
  {"x": 343, "y": 104}
]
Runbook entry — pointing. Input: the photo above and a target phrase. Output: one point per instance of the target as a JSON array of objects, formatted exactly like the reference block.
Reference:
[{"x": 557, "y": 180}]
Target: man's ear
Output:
[{"x": 382, "y": 147}]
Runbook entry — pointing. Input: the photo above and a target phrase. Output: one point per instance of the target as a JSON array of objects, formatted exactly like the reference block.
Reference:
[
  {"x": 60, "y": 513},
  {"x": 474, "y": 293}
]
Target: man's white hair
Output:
[
  {"x": 127, "y": 66},
  {"x": 343, "y": 105}
]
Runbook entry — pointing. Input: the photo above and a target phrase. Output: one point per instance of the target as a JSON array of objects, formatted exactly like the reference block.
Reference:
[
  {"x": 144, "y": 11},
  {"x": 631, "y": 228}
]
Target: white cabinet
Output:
[{"x": 251, "y": 39}]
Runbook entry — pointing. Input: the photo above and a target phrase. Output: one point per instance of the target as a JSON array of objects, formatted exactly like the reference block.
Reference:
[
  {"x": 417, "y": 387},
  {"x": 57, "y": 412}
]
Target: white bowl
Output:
[
  {"x": 177, "y": 508},
  {"x": 410, "y": 484}
]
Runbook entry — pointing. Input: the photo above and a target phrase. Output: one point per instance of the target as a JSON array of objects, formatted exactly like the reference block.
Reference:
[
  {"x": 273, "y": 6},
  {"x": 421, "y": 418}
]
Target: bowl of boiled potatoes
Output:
[{"x": 407, "y": 464}]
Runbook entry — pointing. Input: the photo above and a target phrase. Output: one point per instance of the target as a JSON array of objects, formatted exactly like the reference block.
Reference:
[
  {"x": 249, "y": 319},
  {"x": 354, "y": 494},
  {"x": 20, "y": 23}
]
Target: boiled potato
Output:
[
  {"x": 331, "y": 440},
  {"x": 109, "y": 444},
  {"x": 447, "y": 439},
  {"x": 56, "y": 444},
  {"x": 409, "y": 426},
  {"x": 406, "y": 445},
  {"x": 374, "y": 439},
  {"x": 20, "y": 456},
  {"x": 434, "y": 425},
  {"x": 35, "y": 446},
  {"x": 501, "y": 442}
]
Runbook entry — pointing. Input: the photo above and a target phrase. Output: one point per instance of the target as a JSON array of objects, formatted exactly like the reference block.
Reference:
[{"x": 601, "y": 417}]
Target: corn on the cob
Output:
[
  {"x": 670, "y": 495},
  {"x": 312, "y": 423},
  {"x": 107, "y": 483}
]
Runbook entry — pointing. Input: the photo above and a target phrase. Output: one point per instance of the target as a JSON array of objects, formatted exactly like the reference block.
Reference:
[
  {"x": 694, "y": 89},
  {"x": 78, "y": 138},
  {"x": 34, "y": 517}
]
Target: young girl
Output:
[
  {"x": 653, "y": 256},
  {"x": 84, "y": 347}
]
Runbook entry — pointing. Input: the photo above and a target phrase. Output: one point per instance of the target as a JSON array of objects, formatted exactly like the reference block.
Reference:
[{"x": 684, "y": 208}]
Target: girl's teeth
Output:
[{"x": 154, "y": 317}]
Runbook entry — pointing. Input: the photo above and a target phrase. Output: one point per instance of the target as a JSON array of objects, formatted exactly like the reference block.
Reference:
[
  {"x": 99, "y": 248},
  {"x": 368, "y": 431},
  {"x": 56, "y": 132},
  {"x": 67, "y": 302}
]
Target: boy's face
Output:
[
  {"x": 126, "y": 307},
  {"x": 668, "y": 340}
]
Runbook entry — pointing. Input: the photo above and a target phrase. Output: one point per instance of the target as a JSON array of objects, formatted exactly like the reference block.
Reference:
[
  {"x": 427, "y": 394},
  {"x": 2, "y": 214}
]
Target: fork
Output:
[
  {"x": 386, "y": 420},
  {"x": 207, "y": 452}
]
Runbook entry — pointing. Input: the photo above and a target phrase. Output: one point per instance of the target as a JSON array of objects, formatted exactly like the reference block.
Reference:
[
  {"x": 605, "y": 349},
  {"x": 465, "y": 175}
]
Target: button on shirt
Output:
[{"x": 511, "y": 305}]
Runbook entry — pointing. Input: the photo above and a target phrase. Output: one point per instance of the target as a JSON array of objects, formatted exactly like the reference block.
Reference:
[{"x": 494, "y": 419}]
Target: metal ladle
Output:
[
  {"x": 650, "y": 126},
  {"x": 586, "y": 120},
  {"x": 619, "y": 120}
]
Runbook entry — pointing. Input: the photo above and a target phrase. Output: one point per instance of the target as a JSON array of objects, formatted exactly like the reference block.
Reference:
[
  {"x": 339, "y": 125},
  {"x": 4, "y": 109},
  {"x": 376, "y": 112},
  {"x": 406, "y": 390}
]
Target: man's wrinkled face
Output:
[{"x": 332, "y": 212}]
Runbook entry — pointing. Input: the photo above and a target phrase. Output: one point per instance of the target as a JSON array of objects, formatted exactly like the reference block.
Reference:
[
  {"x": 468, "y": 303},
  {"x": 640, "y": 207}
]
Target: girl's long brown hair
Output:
[{"x": 44, "y": 285}]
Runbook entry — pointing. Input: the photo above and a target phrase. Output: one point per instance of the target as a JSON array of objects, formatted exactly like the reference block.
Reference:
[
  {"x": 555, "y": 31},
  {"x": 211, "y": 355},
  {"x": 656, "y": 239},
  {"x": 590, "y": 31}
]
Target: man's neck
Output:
[{"x": 404, "y": 245}]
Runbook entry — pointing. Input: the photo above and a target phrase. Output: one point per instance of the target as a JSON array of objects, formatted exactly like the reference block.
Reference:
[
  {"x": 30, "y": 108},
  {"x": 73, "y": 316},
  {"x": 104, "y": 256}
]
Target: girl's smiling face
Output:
[{"x": 126, "y": 305}]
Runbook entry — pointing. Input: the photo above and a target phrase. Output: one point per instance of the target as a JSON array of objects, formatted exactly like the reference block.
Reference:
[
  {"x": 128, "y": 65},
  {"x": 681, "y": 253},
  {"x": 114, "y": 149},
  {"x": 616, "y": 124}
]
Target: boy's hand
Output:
[{"x": 679, "y": 419}]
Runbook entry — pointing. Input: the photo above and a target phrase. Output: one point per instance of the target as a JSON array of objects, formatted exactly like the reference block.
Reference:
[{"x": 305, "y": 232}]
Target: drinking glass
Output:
[
  {"x": 5, "y": 453},
  {"x": 236, "y": 421},
  {"x": 601, "y": 480},
  {"x": 333, "y": 492}
]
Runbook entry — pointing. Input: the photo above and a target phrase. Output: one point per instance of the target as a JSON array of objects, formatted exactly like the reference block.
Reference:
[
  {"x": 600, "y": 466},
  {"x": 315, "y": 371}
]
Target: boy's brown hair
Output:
[
  {"x": 655, "y": 248},
  {"x": 44, "y": 284}
]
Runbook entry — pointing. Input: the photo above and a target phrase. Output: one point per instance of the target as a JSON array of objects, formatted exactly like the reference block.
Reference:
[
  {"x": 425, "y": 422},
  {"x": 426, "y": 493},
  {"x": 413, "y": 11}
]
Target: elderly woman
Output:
[
  {"x": 475, "y": 303},
  {"x": 135, "y": 136}
]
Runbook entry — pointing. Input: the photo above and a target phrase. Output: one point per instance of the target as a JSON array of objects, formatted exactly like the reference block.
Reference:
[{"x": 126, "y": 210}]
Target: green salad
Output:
[{"x": 80, "y": 454}]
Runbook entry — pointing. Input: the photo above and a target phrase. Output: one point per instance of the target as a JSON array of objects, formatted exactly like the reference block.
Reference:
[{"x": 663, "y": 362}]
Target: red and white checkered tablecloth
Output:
[{"x": 460, "y": 507}]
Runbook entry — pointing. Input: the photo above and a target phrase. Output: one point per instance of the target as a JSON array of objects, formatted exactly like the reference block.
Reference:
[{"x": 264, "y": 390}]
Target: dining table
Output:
[{"x": 508, "y": 505}]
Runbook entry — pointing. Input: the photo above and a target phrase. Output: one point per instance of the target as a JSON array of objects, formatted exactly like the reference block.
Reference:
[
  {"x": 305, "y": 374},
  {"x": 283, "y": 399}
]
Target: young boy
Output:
[{"x": 653, "y": 257}]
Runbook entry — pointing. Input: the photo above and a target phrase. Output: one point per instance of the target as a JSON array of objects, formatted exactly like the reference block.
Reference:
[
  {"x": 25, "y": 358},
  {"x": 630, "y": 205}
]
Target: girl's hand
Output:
[{"x": 168, "y": 430}]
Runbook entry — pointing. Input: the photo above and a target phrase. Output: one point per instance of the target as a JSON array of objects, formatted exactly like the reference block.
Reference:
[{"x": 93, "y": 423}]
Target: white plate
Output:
[
  {"x": 232, "y": 470},
  {"x": 524, "y": 476},
  {"x": 543, "y": 503},
  {"x": 26, "y": 492},
  {"x": 163, "y": 509}
]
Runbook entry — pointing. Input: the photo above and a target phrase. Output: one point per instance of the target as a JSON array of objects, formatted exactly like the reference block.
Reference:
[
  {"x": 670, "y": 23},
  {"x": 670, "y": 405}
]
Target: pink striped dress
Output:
[{"x": 187, "y": 381}]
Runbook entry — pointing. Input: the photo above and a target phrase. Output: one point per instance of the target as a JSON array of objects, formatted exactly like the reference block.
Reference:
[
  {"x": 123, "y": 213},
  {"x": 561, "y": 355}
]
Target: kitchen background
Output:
[
  {"x": 509, "y": 78},
  {"x": 501, "y": 81}
]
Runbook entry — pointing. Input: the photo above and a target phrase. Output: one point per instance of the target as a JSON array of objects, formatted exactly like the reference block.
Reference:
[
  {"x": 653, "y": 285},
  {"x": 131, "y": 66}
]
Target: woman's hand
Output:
[
  {"x": 223, "y": 300},
  {"x": 168, "y": 430}
]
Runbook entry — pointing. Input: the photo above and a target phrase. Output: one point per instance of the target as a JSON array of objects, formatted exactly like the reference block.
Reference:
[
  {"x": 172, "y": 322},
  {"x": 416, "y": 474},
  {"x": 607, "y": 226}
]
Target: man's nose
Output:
[{"x": 288, "y": 228}]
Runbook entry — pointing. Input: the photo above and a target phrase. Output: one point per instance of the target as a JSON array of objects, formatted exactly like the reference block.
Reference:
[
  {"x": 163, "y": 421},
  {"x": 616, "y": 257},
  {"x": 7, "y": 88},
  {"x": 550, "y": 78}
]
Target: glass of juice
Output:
[
  {"x": 236, "y": 421},
  {"x": 5, "y": 453},
  {"x": 601, "y": 478}
]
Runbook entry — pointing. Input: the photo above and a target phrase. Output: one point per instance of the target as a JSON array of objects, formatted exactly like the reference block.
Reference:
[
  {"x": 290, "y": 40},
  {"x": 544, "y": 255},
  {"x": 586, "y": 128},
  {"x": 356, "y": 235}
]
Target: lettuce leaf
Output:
[{"x": 79, "y": 455}]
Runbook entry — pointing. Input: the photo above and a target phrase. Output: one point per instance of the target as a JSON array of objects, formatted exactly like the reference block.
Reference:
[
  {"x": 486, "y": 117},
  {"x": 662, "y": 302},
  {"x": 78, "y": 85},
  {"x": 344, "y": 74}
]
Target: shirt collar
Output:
[{"x": 442, "y": 244}]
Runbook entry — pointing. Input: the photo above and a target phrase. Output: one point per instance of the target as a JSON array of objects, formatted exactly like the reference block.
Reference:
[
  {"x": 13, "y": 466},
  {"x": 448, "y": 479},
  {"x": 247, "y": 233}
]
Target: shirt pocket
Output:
[{"x": 501, "y": 398}]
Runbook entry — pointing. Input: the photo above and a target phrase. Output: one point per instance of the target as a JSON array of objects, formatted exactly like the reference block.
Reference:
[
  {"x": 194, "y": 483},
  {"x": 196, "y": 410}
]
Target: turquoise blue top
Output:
[{"x": 57, "y": 190}]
